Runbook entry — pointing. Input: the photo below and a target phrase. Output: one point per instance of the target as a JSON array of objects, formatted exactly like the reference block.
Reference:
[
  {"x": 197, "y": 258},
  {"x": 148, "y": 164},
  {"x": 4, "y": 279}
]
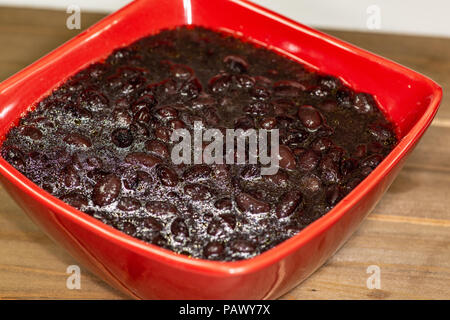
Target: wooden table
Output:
[{"x": 407, "y": 235}]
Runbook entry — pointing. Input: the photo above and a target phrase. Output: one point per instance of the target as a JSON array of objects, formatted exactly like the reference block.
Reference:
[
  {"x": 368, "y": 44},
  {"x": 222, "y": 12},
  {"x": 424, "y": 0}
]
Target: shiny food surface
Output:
[{"x": 101, "y": 142}]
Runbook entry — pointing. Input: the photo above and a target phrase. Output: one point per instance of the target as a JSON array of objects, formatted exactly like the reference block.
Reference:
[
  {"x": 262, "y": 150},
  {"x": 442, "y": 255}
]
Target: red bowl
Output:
[{"x": 143, "y": 270}]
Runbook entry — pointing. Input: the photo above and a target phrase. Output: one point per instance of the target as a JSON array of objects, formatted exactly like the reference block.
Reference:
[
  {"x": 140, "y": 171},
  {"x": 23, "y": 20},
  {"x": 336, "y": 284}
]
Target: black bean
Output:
[
  {"x": 143, "y": 159},
  {"x": 310, "y": 117},
  {"x": 32, "y": 132},
  {"x": 288, "y": 203},
  {"x": 286, "y": 158},
  {"x": 78, "y": 140},
  {"x": 236, "y": 64},
  {"x": 197, "y": 172},
  {"x": 179, "y": 229},
  {"x": 122, "y": 138},
  {"x": 181, "y": 71},
  {"x": 167, "y": 176},
  {"x": 106, "y": 190},
  {"x": 242, "y": 246},
  {"x": 75, "y": 199},
  {"x": 308, "y": 160},
  {"x": 128, "y": 204},
  {"x": 310, "y": 184},
  {"x": 213, "y": 249},
  {"x": 160, "y": 208},
  {"x": 250, "y": 204},
  {"x": 157, "y": 147},
  {"x": 223, "y": 204},
  {"x": 197, "y": 191},
  {"x": 220, "y": 83},
  {"x": 152, "y": 224},
  {"x": 363, "y": 103}
]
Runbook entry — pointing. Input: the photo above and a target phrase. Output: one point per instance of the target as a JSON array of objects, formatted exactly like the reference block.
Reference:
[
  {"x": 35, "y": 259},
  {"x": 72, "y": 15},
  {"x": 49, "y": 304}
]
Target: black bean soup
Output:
[{"x": 101, "y": 143}]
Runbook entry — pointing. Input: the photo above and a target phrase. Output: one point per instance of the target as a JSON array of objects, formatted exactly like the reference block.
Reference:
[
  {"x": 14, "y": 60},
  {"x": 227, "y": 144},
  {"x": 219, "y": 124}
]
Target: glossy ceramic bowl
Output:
[{"x": 143, "y": 270}]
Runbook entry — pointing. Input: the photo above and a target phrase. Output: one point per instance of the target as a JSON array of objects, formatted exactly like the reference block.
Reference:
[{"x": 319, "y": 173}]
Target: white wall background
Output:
[{"x": 431, "y": 17}]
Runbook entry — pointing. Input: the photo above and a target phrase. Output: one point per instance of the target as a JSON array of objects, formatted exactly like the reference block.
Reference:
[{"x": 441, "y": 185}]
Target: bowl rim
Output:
[{"x": 223, "y": 268}]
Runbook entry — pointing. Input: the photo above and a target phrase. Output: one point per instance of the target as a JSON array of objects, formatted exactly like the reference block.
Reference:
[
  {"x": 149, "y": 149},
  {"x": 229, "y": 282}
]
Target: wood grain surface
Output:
[{"x": 407, "y": 235}]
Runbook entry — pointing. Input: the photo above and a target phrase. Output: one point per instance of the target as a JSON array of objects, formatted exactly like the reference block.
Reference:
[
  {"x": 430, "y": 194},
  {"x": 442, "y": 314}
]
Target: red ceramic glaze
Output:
[{"x": 143, "y": 270}]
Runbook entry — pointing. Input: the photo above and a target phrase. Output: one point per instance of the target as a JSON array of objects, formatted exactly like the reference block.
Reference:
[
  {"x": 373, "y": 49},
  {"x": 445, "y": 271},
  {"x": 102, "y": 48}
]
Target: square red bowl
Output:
[{"x": 142, "y": 270}]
